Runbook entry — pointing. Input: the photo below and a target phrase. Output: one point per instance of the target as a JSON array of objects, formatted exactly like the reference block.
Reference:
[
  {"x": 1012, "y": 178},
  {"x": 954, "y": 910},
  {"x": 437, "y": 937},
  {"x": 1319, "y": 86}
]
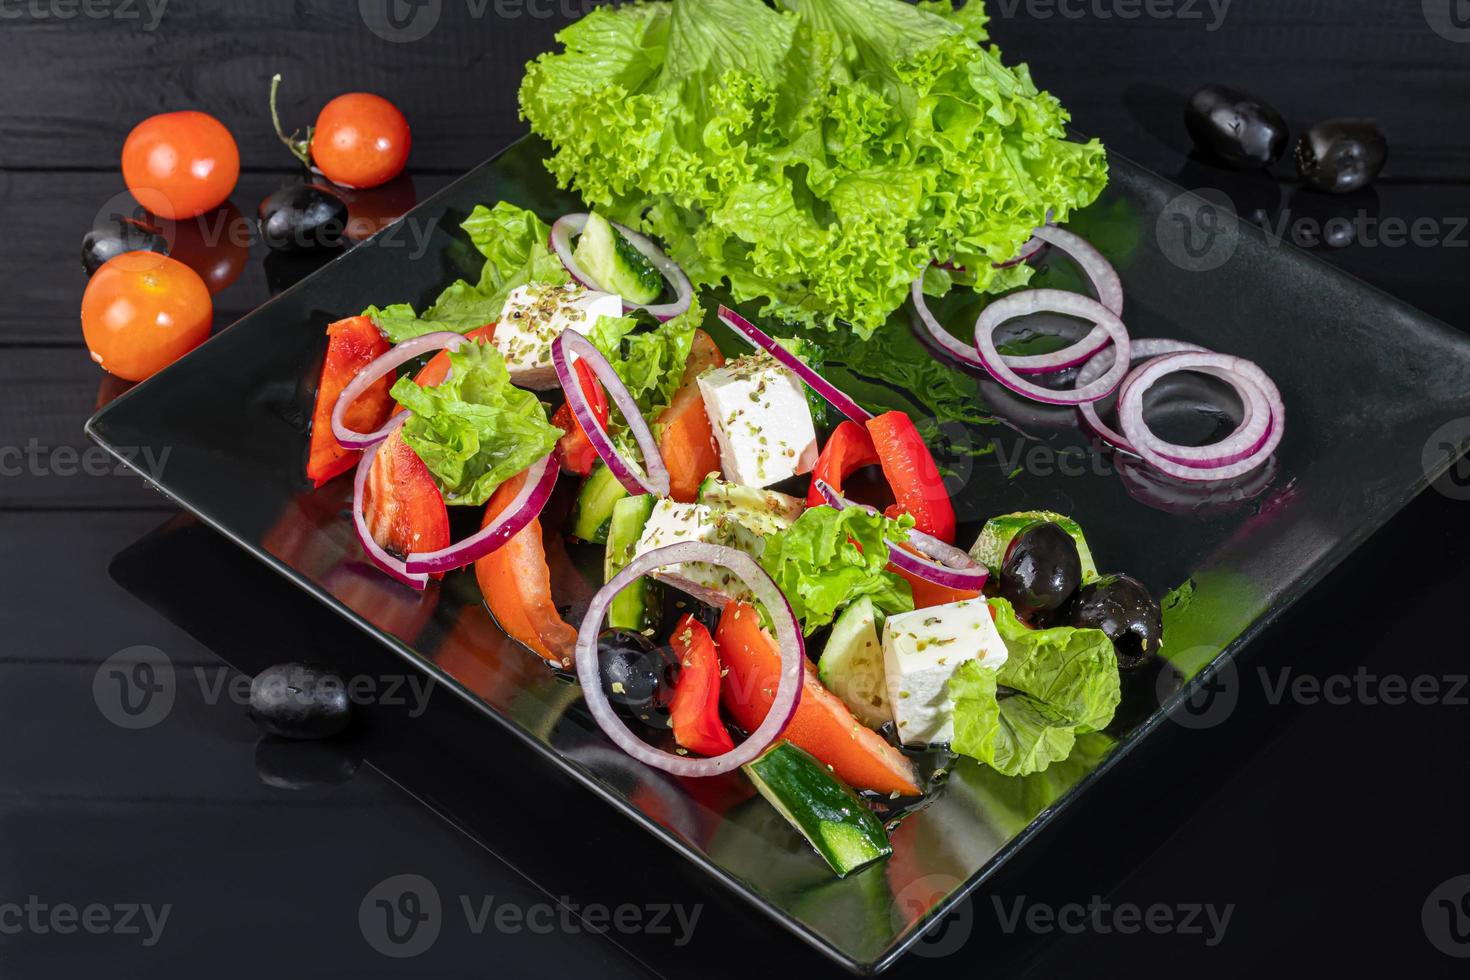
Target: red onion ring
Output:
[
  {"x": 380, "y": 366},
  {"x": 794, "y": 364},
  {"x": 657, "y": 482},
  {"x": 1247, "y": 437},
  {"x": 940, "y": 562},
  {"x": 569, "y": 225},
  {"x": 526, "y": 507},
  {"x": 375, "y": 552},
  {"x": 1144, "y": 349},
  {"x": 1240, "y": 374},
  {"x": 946, "y": 341},
  {"x": 792, "y": 650},
  {"x": 1052, "y": 301}
]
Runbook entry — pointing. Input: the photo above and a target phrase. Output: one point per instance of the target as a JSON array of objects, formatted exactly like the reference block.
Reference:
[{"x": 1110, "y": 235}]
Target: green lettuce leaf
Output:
[
  {"x": 514, "y": 244},
  {"x": 818, "y": 156},
  {"x": 828, "y": 558},
  {"x": 1055, "y": 684},
  {"x": 476, "y": 430}
]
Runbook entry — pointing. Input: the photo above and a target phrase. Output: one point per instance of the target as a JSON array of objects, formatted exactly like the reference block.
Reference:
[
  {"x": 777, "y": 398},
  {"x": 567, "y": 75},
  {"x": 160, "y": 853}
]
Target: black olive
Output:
[
  {"x": 114, "y": 236},
  {"x": 1041, "y": 569},
  {"x": 1122, "y": 608},
  {"x": 301, "y": 217},
  {"x": 1341, "y": 155},
  {"x": 637, "y": 677},
  {"x": 300, "y": 701},
  {"x": 1239, "y": 130}
]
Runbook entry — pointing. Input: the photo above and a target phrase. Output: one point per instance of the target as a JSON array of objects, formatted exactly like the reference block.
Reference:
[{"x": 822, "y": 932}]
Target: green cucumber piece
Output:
[
  {"x": 595, "y": 504},
  {"x": 635, "y": 607},
  {"x": 828, "y": 814},
  {"x": 852, "y": 664},
  {"x": 607, "y": 256},
  {"x": 995, "y": 538},
  {"x": 763, "y": 511}
]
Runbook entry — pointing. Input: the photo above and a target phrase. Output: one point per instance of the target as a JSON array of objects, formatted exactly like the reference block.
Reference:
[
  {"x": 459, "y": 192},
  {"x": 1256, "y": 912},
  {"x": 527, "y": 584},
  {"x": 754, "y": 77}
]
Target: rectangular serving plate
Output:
[{"x": 1376, "y": 393}]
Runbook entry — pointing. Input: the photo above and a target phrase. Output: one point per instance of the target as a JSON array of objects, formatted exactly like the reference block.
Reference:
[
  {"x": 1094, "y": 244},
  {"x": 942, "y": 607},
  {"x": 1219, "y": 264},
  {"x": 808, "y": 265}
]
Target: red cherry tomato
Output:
[
  {"x": 180, "y": 164},
  {"x": 142, "y": 311},
  {"x": 361, "y": 140}
]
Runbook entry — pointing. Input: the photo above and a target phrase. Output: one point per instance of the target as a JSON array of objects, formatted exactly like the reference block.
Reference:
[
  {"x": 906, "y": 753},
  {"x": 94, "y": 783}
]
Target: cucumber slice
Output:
[
  {"x": 852, "y": 664},
  {"x": 995, "y": 538},
  {"x": 828, "y": 814},
  {"x": 636, "y": 607},
  {"x": 762, "y": 511},
  {"x": 595, "y": 504},
  {"x": 609, "y": 258}
]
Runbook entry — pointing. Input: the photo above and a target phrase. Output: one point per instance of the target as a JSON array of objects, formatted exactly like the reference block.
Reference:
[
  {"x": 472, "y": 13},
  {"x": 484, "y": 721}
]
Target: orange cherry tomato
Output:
[
  {"x": 180, "y": 164},
  {"x": 360, "y": 140},
  {"x": 142, "y": 311}
]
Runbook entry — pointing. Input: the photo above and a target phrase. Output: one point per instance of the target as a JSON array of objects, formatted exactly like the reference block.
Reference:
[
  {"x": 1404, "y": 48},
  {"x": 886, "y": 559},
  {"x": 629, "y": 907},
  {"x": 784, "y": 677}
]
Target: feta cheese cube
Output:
[
  {"x": 761, "y": 419},
  {"x": 921, "y": 651},
  {"x": 535, "y": 315},
  {"x": 672, "y": 522}
]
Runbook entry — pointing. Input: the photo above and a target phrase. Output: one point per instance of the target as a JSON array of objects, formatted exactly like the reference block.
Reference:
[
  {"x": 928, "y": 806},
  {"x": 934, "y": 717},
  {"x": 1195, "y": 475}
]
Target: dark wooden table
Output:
[{"x": 1324, "y": 824}]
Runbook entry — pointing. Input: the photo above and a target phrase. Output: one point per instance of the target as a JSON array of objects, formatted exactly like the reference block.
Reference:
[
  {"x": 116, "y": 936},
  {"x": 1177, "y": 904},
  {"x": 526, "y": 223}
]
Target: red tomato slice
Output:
[
  {"x": 352, "y": 344},
  {"x": 404, "y": 509}
]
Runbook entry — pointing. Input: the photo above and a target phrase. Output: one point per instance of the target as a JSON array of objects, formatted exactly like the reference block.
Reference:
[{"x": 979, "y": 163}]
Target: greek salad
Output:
[{"x": 784, "y": 591}]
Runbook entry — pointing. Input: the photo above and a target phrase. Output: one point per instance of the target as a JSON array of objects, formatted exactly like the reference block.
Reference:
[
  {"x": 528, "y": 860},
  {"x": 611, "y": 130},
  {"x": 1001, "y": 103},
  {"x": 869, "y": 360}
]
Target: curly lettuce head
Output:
[{"x": 818, "y": 156}]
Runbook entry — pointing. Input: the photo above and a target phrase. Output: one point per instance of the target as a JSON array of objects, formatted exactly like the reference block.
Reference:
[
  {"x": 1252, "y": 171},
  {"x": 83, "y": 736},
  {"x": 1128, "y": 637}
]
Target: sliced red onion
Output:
[
  {"x": 379, "y": 367},
  {"x": 1051, "y": 301},
  {"x": 788, "y": 638},
  {"x": 1228, "y": 462},
  {"x": 945, "y": 340},
  {"x": 795, "y": 365},
  {"x": 657, "y": 482},
  {"x": 1105, "y": 282},
  {"x": 939, "y": 562},
  {"x": 570, "y": 225},
  {"x": 526, "y": 507},
  {"x": 1148, "y": 347},
  {"x": 1249, "y": 433},
  {"x": 376, "y": 552}
]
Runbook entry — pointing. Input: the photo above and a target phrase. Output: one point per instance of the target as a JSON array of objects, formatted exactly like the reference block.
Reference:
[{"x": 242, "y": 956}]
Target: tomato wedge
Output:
[
  {"x": 822, "y": 725},
  {"x": 695, "y": 706},
  {"x": 516, "y": 583},
  {"x": 404, "y": 509},
  {"x": 910, "y": 470},
  {"x": 687, "y": 442},
  {"x": 352, "y": 344},
  {"x": 848, "y": 450},
  {"x": 574, "y": 450}
]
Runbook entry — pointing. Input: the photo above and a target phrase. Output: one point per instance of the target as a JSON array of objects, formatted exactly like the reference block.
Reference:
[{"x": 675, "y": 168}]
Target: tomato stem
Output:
[{"x": 301, "y": 149}]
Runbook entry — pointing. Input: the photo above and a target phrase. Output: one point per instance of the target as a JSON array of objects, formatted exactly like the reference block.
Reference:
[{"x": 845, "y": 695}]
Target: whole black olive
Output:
[
  {"x": 1239, "y": 130},
  {"x": 1341, "y": 155},
  {"x": 300, "y": 701},
  {"x": 637, "y": 677},
  {"x": 115, "y": 235},
  {"x": 1041, "y": 569},
  {"x": 1122, "y": 608},
  {"x": 300, "y": 217}
]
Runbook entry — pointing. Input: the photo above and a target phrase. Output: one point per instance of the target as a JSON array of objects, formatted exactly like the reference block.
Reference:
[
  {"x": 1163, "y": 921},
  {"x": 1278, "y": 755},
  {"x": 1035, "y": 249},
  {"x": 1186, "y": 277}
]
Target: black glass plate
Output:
[{"x": 1376, "y": 395}]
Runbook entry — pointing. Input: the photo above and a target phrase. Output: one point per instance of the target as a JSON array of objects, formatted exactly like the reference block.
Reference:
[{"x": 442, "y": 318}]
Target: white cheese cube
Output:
[
  {"x": 921, "y": 651},
  {"x": 761, "y": 419},
  {"x": 535, "y": 315},
  {"x": 672, "y": 522}
]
